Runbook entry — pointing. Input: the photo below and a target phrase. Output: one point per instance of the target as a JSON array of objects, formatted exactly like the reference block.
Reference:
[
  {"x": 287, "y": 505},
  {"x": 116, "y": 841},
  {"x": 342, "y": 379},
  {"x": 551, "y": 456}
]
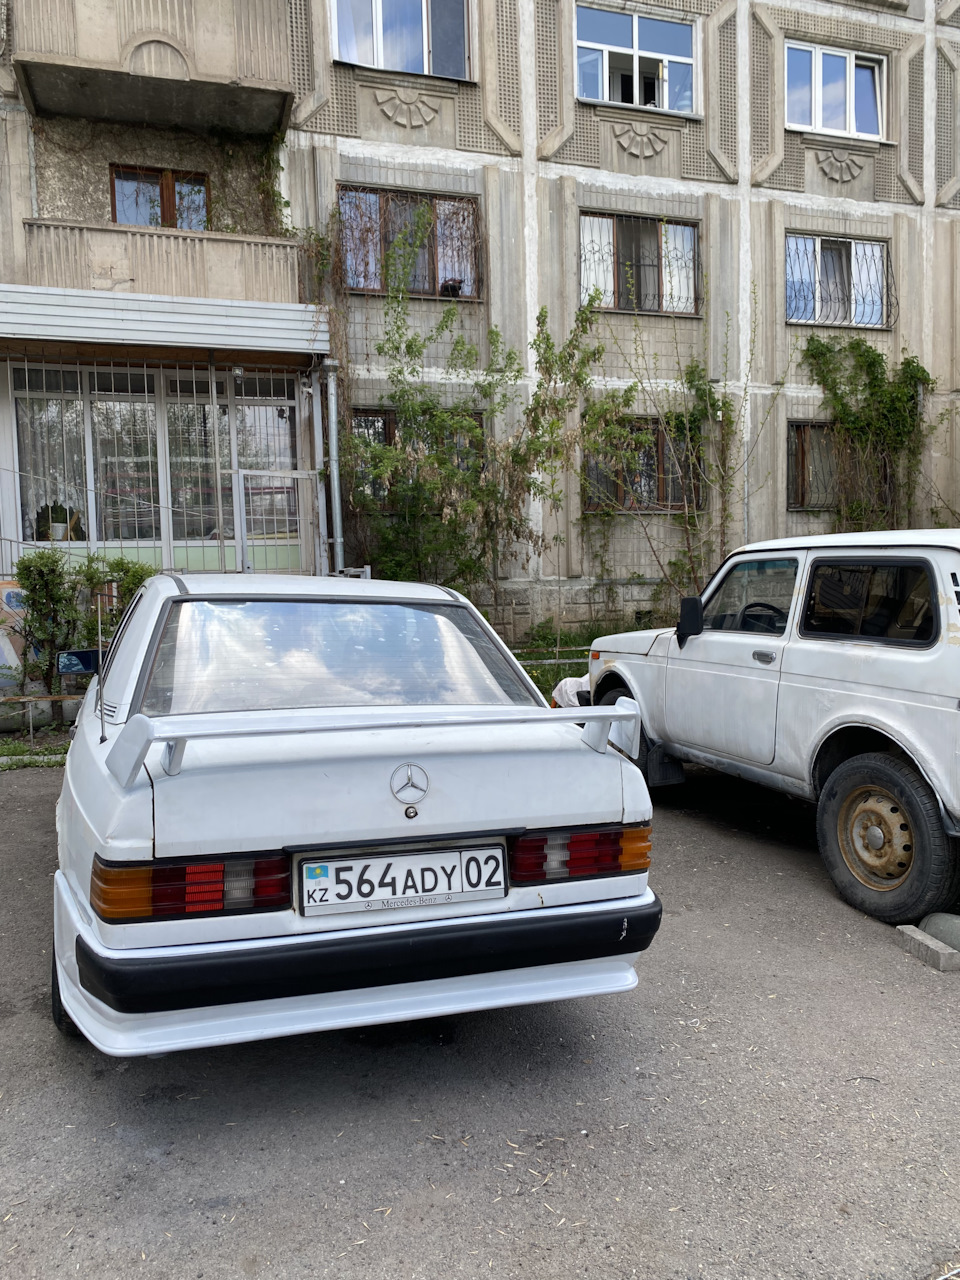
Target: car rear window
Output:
[
  {"x": 884, "y": 601},
  {"x": 258, "y": 655}
]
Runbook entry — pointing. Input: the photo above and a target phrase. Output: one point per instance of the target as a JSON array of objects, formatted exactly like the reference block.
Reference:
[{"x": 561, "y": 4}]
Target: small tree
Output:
[
  {"x": 59, "y": 603},
  {"x": 50, "y": 617}
]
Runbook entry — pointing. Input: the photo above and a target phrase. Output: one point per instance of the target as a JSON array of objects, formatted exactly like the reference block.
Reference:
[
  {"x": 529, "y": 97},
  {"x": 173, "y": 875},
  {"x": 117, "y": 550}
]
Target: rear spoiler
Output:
[{"x": 618, "y": 724}]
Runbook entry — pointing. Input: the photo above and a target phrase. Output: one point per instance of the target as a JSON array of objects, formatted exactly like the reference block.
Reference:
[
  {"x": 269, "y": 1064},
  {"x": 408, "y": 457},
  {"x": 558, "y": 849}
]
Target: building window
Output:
[
  {"x": 442, "y": 236},
  {"x": 423, "y": 36},
  {"x": 839, "y": 282},
  {"x": 625, "y": 57},
  {"x": 658, "y": 469},
  {"x": 640, "y": 264},
  {"x": 158, "y": 198},
  {"x": 811, "y": 467},
  {"x": 835, "y": 91}
]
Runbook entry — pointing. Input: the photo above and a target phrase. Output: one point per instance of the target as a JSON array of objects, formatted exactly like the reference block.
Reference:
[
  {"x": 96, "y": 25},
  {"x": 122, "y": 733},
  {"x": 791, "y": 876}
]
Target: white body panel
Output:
[
  {"x": 711, "y": 702},
  {"x": 131, "y": 1035},
  {"x": 316, "y": 783}
]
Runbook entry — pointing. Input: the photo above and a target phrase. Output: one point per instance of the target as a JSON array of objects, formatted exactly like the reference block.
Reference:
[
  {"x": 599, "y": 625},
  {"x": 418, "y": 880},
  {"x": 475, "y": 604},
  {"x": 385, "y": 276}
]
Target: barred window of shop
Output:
[
  {"x": 836, "y": 281},
  {"x": 658, "y": 470},
  {"x": 640, "y": 264},
  {"x": 811, "y": 467},
  {"x": 444, "y": 229}
]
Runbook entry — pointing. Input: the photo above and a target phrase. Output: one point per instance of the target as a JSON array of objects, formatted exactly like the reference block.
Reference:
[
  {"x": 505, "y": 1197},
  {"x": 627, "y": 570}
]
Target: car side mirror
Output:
[
  {"x": 78, "y": 662},
  {"x": 691, "y": 619}
]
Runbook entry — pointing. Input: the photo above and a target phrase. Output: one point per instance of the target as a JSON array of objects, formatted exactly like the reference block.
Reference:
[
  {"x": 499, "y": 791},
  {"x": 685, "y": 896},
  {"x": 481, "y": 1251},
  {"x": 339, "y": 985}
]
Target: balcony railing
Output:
[
  {"x": 221, "y": 65},
  {"x": 192, "y": 264}
]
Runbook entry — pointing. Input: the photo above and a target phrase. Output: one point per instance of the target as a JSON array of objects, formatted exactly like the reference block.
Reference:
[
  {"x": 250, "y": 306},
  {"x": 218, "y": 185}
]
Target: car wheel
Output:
[
  {"x": 609, "y": 699},
  {"x": 61, "y": 1019},
  {"x": 882, "y": 840}
]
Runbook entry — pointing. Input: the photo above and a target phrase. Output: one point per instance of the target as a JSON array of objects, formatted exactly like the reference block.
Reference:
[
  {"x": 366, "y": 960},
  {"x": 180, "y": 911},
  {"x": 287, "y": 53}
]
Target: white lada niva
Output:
[
  {"x": 294, "y": 804},
  {"x": 827, "y": 667}
]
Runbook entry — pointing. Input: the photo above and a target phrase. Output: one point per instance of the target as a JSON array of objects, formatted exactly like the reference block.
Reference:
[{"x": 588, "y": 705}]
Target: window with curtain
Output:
[
  {"x": 125, "y": 470},
  {"x": 635, "y": 59},
  {"x": 640, "y": 264},
  {"x": 839, "y": 282},
  {"x": 835, "y": 90},
  {"x": 50, "y": 446},
  {"x": 434, "y": 239},
  {"x": 422, "y": 36}
]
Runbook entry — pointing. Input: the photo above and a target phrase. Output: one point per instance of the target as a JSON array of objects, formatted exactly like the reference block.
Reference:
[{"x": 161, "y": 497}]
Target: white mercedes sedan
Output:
[{"x": 297, "y": 804}]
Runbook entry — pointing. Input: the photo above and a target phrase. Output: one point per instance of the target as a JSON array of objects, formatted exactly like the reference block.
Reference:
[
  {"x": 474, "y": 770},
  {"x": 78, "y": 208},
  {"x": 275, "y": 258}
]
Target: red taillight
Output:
[
  {"x": 562, "y": 855},
  {"x": 164, "y": 890},
  {"x": 527, "y": 858}
]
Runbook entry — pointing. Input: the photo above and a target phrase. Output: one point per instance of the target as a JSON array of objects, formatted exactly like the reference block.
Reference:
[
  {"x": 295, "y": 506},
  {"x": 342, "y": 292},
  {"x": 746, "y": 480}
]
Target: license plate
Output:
[{"x": 408, "y": 880}]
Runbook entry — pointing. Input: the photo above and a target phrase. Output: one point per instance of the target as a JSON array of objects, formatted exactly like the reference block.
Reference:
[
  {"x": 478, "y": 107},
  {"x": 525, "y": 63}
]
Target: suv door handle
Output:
[{"x": 764, "y": 656}]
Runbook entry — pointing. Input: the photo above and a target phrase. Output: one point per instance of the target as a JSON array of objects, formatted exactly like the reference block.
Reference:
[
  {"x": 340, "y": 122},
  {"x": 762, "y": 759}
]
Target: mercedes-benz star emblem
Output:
[{"x": 409, "y": 783}]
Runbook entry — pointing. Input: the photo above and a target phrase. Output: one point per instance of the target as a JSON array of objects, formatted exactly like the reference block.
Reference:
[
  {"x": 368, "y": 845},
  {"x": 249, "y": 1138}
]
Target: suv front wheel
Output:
[{"x": 882, "y": 840}]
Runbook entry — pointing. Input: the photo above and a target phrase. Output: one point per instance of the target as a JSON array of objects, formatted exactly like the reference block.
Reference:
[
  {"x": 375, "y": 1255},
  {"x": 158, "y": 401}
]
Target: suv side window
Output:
[
  {"x": 891, "y": 602},
  {"x": 754, "y": 596}
]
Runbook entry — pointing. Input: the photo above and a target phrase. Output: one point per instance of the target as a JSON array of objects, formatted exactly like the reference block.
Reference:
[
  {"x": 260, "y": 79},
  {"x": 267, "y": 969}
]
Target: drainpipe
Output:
[{"x": 330, "y": 367}]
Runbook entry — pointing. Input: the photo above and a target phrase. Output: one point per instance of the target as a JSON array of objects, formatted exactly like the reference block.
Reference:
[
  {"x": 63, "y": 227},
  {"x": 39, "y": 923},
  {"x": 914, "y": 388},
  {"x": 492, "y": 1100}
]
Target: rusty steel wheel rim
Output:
[{"x": 876, "y": 838}]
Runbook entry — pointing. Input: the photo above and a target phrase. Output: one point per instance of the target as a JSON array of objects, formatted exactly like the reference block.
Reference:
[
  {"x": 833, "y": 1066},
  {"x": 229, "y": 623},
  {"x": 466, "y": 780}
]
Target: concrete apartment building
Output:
[{"x": 730, "y": 176}]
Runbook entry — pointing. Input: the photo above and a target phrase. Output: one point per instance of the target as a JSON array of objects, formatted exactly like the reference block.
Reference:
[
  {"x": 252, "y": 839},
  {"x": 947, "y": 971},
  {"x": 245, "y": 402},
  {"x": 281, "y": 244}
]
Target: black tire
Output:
[
  {"x": 882, "y": 840},
  {"x": 61, "y": 1019},
  {"x": 609, "y": 699}
]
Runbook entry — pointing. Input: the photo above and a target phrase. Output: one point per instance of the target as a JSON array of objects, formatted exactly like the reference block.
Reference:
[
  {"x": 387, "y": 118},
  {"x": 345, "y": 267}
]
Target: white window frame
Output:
[
  {"x": 854, "y": 58},
  {"x": 850, "y": 322},
  {"x": 637, "y": 53},
  {"x": 378, "y": 62}
]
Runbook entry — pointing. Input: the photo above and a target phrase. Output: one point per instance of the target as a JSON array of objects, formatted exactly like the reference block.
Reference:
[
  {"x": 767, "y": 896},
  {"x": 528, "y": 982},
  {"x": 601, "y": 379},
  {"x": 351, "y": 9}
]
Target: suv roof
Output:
[{"x": 895, "y": 539}]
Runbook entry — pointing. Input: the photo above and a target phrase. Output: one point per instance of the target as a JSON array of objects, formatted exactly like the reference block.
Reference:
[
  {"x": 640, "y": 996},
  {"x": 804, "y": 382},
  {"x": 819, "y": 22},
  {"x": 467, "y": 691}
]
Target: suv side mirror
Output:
[
  {"x": 78, "y": 662},
  {"x": 691, "y": 619}
]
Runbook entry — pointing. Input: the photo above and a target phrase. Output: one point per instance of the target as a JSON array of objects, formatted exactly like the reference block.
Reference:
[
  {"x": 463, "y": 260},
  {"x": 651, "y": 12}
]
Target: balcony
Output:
[
  {"x": 220, "y": 65},
  {"x": 187, "y": 264}
]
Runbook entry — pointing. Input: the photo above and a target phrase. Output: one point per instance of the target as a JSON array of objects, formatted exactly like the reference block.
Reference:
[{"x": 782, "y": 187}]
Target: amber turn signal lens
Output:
[
  {"x": 595, "y": 654},
  {"x": 635, "y": 845},
  {"x": 121, "y": 893}
]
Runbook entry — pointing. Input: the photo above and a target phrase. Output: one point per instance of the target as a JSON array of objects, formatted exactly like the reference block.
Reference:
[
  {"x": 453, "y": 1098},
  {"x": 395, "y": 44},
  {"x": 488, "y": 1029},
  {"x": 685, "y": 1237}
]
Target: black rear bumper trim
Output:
[{"x": 133, "y": 984}]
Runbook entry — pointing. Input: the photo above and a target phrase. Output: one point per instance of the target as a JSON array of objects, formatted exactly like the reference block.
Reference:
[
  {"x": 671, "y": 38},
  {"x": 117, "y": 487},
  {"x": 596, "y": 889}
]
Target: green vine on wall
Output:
[{"x": 879, "y": 423}]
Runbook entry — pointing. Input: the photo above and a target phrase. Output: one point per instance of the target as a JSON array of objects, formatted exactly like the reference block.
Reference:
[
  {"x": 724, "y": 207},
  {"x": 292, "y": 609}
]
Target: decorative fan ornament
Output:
[
  {"x": 839, "y": 165},
  {"x": 640, "y": 140},
  {"x": 408, "y": 108}
]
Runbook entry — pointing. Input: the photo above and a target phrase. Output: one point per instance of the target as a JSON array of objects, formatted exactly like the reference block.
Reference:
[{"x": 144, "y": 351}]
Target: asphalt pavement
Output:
[{"x": 777, "y": 1100}]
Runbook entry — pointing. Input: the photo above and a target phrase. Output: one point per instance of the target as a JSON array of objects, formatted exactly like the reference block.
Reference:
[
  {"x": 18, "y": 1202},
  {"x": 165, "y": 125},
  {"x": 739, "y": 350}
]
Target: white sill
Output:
[
  {"x": 830, "y": 136},
  {"x": 653, "y": 111},
  {"x": 839, "y": 324},
  {"x": 395, "y": 71},
  {"x": 650, "y": 315}
]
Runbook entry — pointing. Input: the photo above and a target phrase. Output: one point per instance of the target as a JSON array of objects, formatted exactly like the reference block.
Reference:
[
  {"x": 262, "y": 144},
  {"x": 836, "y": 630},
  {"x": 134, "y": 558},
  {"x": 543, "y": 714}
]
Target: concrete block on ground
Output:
[
  {"x": 930, "y": 950},
  {"x": 944, "y": 926}
]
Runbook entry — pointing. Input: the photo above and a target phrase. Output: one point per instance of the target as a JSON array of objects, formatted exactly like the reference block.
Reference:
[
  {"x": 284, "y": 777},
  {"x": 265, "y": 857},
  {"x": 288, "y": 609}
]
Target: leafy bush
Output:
[{"x": 59, "y": 601}]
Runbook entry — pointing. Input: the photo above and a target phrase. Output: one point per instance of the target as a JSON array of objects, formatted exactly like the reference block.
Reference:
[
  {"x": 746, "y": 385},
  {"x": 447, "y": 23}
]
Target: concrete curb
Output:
[{"x": 930, "y": 950}]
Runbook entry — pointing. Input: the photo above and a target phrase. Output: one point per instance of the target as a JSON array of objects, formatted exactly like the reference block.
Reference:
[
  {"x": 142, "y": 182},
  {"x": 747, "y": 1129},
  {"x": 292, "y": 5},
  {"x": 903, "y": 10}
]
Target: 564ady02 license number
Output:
[{"x": 411, "y": 880}]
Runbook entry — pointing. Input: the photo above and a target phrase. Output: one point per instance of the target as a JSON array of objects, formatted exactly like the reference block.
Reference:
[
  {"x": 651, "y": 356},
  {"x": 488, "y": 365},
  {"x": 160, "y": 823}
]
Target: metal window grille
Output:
[
  {"x": 811, "y": 467},
  {"x": 661, "y": 470},
  {"x": 641, "y": 264},
  {"x": 832, "y": 281},
  {"x": 162, "y": 464},
  {"x": 444, "y": 229}
]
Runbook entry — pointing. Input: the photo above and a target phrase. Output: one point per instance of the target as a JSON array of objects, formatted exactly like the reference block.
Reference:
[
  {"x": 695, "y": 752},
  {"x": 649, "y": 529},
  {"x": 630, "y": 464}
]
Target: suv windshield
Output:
[{"x": 258, "y": 655}]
